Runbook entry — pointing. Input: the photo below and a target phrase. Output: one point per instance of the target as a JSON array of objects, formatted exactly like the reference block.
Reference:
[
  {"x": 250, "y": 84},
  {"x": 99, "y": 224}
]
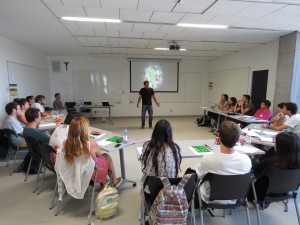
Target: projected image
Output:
[{"x": 154, "y": 74}]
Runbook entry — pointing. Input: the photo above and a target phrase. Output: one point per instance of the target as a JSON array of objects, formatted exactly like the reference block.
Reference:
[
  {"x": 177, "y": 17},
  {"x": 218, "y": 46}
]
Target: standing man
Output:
[
  {"x": 146, "y": 94},
  {"x": 57, "y": 104}
]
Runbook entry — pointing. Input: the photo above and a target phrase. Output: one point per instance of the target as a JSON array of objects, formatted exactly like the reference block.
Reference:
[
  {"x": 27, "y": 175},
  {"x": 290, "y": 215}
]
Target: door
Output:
[{"x": 259, "y": 87}]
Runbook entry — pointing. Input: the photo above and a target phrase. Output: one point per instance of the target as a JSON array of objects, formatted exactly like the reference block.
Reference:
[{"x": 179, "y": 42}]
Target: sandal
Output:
[{"x": 120, "y": 180}]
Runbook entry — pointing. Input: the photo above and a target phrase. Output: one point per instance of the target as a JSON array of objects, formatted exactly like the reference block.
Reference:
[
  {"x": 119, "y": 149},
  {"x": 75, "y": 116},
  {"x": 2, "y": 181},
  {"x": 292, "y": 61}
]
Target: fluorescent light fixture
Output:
[
  {"x": 202, "y": 25},
  {"x": 167, "y": 49},
  {"x": 162, "y": 49},
  {"x": 87, "y": 19}
]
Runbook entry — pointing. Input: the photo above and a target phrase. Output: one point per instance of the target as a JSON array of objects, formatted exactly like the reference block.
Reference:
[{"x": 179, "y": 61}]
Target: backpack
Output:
[
  {"x": 106, "y": 204},
  {"x": 171, "y": 205}
]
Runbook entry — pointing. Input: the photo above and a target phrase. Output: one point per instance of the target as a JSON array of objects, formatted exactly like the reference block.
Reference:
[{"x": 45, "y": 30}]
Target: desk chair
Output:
[
  {"x": 13, "y": 149},
  {"x": 4, "y": 143},
  {"x": 34, "y": 155},
  {"x": 155, "y": 185},
  {"x": 283, "y": 185},
  {"x": 70, "y": 106},
  {"x": 226, "y": 187},
  {"x": 88, "y": 111},
  {"x": 45, "y": 151}
]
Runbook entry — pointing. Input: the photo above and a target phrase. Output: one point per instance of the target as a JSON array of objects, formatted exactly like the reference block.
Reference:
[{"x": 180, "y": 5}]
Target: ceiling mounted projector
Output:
[{"x": 174, "y": 46}]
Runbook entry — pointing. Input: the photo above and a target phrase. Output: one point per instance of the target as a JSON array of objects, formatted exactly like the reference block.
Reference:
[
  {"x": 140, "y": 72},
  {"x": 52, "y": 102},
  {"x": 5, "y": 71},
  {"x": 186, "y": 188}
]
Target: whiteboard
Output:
[
  {"x": 97, "y": 86},
  {"x": 233, "y": 82},
  {"x": 30, "y": 80}
]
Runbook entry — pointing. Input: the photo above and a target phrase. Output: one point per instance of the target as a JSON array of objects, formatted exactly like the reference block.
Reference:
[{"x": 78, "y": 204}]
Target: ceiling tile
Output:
[
  {"x": 196, "y": 18},
  {"x": 135, "y": 15},
  {"x": 131, "y": 34},
  {"x": 228, "y": 8},
  {"x": 141, "y": 43},
  {"x": 258, "y": 10},
  {"x": 157, "y": 5},
  {"x": 75, "y": 29},
  {"x": 52, "y": 2},
  {"x": 166, "y": 17},
  {"x": 106, "y": 33},
  {"x": 102, "y": 13},
  {"x": 119, "y": 26},
  {"x": 285, "y": 13},
  {"x": 145, "y": 27},
  {"x": 124, "y": 4},
  {"x": 93, "y": 3},
  {"x": 193, "y": 6},
  {"x": 226, "y": 20},
  {"x": 60, "y": 11}
]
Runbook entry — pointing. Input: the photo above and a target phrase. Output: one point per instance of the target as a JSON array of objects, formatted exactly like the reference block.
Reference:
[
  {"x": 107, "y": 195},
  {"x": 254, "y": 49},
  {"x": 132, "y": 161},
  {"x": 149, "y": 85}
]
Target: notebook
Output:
[{"x": 106, "y": 104}]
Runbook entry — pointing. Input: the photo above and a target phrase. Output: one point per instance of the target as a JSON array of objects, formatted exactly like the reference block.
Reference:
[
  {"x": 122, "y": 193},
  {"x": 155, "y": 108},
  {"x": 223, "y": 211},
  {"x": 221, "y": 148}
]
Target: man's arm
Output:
[
  {"x": 138, "y": 102},
  {"x": 154, "y": 98},
  {"x": 244, "y": 110},
  {"x": 280, "y": 128}
]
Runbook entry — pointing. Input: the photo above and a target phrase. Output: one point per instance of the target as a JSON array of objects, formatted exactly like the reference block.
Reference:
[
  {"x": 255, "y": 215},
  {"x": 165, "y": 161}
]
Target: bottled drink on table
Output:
[
  {"x": 248, "y": 137},
  {"x": 125, "y": 134}
]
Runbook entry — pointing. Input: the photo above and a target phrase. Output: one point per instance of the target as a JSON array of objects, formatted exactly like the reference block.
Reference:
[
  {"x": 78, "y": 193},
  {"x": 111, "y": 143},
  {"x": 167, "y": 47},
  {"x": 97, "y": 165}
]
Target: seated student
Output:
[
  {"x": 40, "y": 101},
  {"x": 280, "y": 118},
  {"x": 57, "y": 104},
  {"x": 223, "y": 104},
  {"x": 293, "y": 123},
  {"x": 24, "y": 106},
  {"x": 33, "y": 118},
  {"x": 264, "y": 112},
  {"x": 286, "y": 157},
  {"x": 227, "y": 162},
  {"x": 11, "y": 122},
  {"x": 30, "y": 99},
  {"x": 161, "y": 156},
  {"x": 245, "y": 106},
  {"x": 78, "y": 146},
  {"x": 232, "y": 104}
]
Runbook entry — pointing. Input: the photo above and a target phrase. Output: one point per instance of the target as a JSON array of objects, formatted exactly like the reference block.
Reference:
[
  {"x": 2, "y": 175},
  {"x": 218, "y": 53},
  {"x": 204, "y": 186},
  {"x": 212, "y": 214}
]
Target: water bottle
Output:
[
  {"x": 125, "y": 134},
  {"x": 248, "y": 137},
  {"x": 239, "y": 125}
]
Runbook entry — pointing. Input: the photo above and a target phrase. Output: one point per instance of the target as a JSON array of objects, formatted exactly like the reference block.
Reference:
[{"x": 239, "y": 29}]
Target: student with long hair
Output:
[
  {"x": 78, "y": 144},
  {"x": 232, "y": 104},
  {"x": 161, "y": 156},
  {"x": 287, "y": 156}
]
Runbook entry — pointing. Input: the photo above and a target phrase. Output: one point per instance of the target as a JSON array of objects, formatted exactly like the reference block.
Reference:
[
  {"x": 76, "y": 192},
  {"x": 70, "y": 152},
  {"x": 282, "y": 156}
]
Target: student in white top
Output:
[
  {"x": 227, "y": 162},
  {"x": 40, "y": 101},
  {"x": 293, "y": 123}
]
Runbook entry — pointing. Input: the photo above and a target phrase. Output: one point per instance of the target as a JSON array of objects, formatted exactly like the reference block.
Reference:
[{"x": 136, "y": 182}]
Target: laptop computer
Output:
[{"x": 106, "y": 104}]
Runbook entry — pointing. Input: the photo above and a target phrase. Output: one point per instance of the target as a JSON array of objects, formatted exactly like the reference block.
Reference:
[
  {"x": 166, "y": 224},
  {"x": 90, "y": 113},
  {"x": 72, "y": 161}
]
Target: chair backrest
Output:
[
  {"x": 70, "y": 105},
  {"x": 227, "y": 187},
  {"x": 33, "y": 148},
  {"x": 9, "y": 133},
  {"x": 4, "y": 139},
  {"x": 71, "y": 115},
  {"x": 87, "y": 103},
  {"x": 282, "y": 181},
  {"x": 155, "y": 185},
  {"x": 45, "y": 151}
]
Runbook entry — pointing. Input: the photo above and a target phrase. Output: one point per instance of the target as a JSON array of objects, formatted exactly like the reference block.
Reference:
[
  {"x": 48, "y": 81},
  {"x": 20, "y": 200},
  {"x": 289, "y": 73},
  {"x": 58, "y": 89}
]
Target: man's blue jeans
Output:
[{"x": 150, "y": 112}]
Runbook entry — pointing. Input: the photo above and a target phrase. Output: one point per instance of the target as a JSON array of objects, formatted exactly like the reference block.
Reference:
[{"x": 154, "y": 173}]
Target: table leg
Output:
[
  {"x": 109, "y": 116},
  {"x": 122, "y": 164}
]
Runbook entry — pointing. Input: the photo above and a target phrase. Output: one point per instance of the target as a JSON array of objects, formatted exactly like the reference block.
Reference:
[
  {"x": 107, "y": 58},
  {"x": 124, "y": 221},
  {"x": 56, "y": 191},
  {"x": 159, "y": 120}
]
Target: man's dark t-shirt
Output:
[{"x": 146, "y": 94}]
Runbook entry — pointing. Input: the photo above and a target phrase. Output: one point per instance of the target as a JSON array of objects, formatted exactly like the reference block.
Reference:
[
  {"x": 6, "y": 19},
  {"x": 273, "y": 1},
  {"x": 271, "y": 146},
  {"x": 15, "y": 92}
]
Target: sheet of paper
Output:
[
  {"x": 200, "y": 153},
  {"x": 104, "y": 142},
  {"x": 139, "y": 151},
  {"x": 245, "y": 149},
  {"x": 96, "y": 136},
  {"x": 265, "y": 138}
]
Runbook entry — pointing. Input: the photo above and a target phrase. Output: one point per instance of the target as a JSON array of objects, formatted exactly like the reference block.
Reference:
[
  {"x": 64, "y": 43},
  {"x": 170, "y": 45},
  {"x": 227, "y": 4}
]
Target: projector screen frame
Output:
[{"x": 154, "y": 60}]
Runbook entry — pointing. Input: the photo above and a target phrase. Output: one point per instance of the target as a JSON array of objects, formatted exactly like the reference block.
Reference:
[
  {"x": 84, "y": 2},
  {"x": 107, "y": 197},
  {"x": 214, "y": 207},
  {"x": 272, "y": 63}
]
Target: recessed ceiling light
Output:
[
  {"x": 87, "y": 19},
  {"x": 212, "y": 26}
]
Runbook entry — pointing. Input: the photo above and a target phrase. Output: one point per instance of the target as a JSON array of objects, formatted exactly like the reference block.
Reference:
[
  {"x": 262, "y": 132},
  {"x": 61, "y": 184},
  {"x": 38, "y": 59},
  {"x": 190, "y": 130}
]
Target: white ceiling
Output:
[{"x": 147, "y": 24}]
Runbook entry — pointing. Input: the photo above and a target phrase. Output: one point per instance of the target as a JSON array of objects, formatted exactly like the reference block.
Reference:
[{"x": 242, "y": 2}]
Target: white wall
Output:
[
  {"x": 14, "y": 52},
  {"x": 62, "y": 82},
  {"x": 263, "y": 57}
]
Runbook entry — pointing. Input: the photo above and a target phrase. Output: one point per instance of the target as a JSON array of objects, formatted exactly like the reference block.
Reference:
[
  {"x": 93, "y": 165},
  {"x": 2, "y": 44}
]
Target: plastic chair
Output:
[
  {"x": 70, "y": 106},
  {"x": 89, "y": 111},
  {"x": 283, "y": 185},
  {"x": 93, "y": 184},
  {"x": 13, "y": 149},
  {"x": 34, "y": 155},
  {"x": 45, "y": 151},
  {"x": 155, "y": 185},
  {"x": 226, "y": 187}
]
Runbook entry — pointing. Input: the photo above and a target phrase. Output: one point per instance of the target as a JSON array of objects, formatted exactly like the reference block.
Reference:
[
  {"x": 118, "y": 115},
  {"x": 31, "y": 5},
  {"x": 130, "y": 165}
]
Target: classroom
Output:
[{"x": 255, "y": 50}]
